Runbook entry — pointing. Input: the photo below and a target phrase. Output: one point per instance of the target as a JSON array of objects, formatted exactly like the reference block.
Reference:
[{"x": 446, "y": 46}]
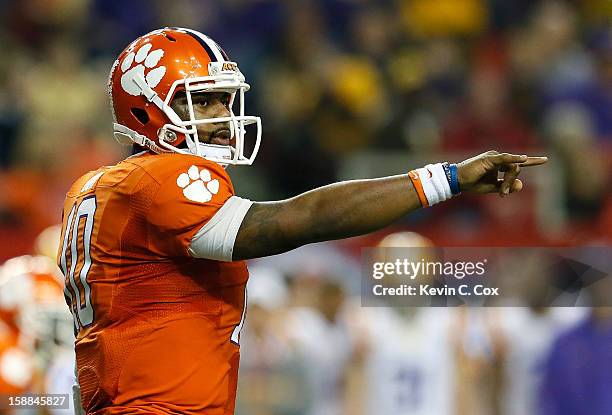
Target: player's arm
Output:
[
  {"x": 358, "y": 207},
  {"x": 339, "y": 210}
]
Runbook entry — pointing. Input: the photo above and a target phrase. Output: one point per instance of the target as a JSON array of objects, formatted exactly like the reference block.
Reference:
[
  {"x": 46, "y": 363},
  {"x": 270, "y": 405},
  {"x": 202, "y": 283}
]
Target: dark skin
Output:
[
  {"x": 345, "y": 209},
  {"x": 207, "y": 105},
  {"x": 352, "y": 208}
]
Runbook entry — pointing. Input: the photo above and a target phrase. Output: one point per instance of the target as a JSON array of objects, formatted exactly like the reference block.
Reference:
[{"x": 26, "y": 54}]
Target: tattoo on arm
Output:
[{"x": 263, "y": 232}]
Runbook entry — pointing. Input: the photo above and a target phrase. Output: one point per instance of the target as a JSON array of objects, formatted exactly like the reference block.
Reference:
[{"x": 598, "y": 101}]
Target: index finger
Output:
[
  {"x": 506, "y": 158},
  {"x": 534, "y": 161}
]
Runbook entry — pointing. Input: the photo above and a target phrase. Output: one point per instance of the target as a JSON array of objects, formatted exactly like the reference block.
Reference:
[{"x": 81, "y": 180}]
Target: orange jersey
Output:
[{"x": 156, "y": 327}]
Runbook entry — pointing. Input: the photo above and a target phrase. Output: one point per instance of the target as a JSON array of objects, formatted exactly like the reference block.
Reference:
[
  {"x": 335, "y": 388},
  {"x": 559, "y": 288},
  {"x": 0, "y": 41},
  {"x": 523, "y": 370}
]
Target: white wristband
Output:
[{"x": 435, "y": 184}]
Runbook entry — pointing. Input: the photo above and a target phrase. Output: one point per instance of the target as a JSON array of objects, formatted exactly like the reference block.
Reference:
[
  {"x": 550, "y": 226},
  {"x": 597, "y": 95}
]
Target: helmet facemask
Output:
[{"x": 227, "y": 81}]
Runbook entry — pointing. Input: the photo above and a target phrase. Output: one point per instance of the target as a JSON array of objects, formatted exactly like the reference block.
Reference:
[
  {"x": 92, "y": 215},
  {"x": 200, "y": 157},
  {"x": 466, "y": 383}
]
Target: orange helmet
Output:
[{"x": 148, "y": 74}]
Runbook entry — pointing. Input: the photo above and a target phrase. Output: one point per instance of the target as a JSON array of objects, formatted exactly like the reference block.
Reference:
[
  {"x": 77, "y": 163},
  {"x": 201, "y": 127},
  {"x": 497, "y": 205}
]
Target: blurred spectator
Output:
[
  {"x": 572, "y": 135},
  {"x": 526, "y": 335},
  {"x": 444, "y": 17},
  {"x": 487, "y": 119},
  {"x": 272, "y": 373},
  {"x": 578, "y": 376},
  {"x": 320, "y": 334},
  {"x": 49, "y": 123}
]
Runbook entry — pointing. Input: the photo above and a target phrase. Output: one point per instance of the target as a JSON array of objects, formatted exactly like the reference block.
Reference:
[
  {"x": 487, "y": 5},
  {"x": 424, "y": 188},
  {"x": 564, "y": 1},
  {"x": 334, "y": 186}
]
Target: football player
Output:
[
  {"x": 35, "y": 326},
  {"x": 153, "y": 248}
]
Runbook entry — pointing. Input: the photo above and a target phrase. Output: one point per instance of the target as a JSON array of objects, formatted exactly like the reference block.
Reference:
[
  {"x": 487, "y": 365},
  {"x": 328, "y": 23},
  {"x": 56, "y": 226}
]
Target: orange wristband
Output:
[{"x": 418, "y": 186}]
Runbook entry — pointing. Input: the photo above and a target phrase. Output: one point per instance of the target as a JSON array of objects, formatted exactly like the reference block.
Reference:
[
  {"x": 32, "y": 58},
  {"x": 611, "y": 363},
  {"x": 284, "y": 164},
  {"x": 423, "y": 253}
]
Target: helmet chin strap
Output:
[
  {"x": 125, "y": 135},
  {"x": 215, "y": 151}
]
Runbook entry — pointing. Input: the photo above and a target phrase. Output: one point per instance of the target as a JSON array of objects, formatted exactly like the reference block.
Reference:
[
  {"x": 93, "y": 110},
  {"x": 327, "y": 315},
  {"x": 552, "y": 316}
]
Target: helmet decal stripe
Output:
[
  {"x": 213, "y": 50},
  {"x": 221, "y": 50}
]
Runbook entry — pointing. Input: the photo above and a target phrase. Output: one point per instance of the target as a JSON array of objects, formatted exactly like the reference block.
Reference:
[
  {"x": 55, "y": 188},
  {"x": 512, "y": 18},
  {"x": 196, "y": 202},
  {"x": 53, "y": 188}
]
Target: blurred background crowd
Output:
[{"x": 348, "y": 89}]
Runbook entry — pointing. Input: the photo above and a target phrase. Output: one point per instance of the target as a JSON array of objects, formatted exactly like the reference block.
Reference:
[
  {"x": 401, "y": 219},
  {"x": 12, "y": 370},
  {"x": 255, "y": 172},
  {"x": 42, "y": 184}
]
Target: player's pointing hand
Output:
[{"x": 480, "y": 174}]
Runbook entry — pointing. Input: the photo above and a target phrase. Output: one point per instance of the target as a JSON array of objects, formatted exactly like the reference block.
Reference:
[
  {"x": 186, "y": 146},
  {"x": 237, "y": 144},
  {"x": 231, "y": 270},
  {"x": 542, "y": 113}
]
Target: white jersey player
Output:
[{"x": 409, "y": 366}]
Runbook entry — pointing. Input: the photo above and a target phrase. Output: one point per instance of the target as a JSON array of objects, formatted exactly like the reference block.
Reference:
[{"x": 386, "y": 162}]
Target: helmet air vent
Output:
[{"x": 141, "y": 115}]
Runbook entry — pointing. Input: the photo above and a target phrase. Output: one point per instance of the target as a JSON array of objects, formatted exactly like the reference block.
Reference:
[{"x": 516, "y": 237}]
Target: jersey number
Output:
[{"x": 79, "y": 294}]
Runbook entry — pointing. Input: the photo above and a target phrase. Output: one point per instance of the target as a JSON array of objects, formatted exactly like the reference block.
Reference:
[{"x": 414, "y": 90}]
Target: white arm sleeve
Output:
[{"x": 215, "y": 240}]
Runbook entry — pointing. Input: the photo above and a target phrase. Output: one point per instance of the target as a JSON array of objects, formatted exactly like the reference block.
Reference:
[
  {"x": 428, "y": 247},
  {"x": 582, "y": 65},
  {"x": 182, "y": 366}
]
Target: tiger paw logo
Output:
[
  {"x": 136, "y": 63},
  {"x": 198, "y": 185}
]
